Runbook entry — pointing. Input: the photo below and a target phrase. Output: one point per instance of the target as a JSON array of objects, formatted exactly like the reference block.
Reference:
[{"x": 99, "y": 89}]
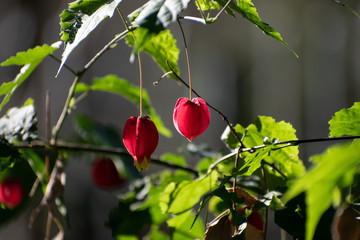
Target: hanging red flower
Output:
[
  {"x": 11, "y": 192},
  {"x": 105, "y": 175},
  {"x": 191, "y": 118},
  {"x": 140, "y": 137}
]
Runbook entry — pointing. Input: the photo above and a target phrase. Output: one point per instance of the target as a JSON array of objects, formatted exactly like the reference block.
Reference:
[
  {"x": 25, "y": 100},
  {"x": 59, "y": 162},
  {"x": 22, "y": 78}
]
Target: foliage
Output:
[{"x": 259, "y": 172}]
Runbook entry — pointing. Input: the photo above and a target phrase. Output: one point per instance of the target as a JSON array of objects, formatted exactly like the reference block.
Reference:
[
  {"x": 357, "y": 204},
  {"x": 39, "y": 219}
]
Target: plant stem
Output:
[
  {"x": 139, "y": 60},
  {"x": 99, "y": 149},
  {"x": 222, "y": 10},
  {"x": 210, "y": 106},
  {"x": 187, "y": 58},
  {"x": 291, "y": 143},
  {"x": 77, "y": 78},
  {"x": 265, "y": 192}
]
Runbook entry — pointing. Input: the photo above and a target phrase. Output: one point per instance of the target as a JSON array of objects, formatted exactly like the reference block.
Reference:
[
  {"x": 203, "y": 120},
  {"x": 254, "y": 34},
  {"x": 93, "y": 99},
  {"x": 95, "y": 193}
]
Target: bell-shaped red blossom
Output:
[
  {"x": 11, "y": 192},
  {"x": 191, "y": 118},
  {"x": 140, "y": 137},
  {"x": 105, "y": 175}
]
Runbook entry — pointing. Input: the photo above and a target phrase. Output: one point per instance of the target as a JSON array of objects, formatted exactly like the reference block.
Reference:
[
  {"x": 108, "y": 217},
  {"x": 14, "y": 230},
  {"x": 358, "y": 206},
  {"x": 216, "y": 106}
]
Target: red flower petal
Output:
[
  {"x": 140, "y": 137},
  {"x": 11, "y": 192},
  {"x": 105, "y": 174},
  {"x": 191, "y": 118}
]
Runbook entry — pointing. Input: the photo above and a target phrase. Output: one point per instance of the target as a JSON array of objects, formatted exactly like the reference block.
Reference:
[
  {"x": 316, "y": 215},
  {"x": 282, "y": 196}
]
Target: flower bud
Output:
[
  {"x": 191, "y": 118},
  {"x": 140, "y": 137}
]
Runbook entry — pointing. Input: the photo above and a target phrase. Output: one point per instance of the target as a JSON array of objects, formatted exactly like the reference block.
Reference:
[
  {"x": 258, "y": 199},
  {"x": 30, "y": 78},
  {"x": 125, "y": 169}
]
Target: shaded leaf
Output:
[
  {"x": 8, "y": 154},
  {"x": 96, "y": 133},
  {"x": 19, "y": 124},
  {"x": 125, "y": 222},
  {"x": 346, "y": 122},
  {"x": 156, "y": 15},
  {"x": 334, "y": 169},
  {"x": 29, "y": 60},
  {"x": 116, "y": 85},
  {"x": 85, "y": 20}
]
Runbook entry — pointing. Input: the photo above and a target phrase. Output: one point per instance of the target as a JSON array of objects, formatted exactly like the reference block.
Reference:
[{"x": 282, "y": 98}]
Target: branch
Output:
[
  {"x": 281, "y": 144},
  {"x": 100, "y": 149},
  {"x": 78, "y": 77}
]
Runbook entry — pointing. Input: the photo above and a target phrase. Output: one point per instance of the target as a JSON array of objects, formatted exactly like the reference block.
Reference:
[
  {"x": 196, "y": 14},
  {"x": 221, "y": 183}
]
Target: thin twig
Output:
[
  {"x": 222, "y": 10},
  {"x": 79, "y": 75}
]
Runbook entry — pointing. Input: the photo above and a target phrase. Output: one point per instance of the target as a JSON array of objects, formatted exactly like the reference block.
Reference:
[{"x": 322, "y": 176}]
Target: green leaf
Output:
[
  {"x": 29, "y": 60},
  {"x": 169, "y": 157},
  {"x": 335, "y": 169},
  {"x": 207, "y": 5},
  {"x": 247, "y": 9},
  {"x": 156, "y": 15},
  {"x": 285, "y": 159},
  {"x": 229, "y": 139},
  {"x": 181, "y": 227},
  {"x": 19, "y": 124},
  {"x": 116, "y": 85},
  {"x": 180, "y": 197},
  {"x": 8, "y": 154},
  {"x": 161, "y": 47},
  {"x": 346, "y": 122},
  {"x": 125, "y": 222},
  {"x": 347, "y": 7},
  {"x": 85, "y": 22},
  {"x": 253, "y": 161}
]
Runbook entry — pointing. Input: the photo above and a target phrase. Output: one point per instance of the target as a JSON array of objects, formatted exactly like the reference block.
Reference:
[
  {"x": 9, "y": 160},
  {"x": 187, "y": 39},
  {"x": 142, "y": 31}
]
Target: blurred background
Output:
[{"x": 235, "y": 67}]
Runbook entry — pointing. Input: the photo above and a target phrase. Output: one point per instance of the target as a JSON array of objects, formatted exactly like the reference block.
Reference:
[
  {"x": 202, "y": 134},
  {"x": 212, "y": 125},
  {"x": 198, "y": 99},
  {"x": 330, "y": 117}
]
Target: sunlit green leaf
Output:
[
  {"x": 125, "y": 222},
  {"x": 335, "y": 169},
  {"x": 180, "y": 197},
  {"x": 116, "y": 85},
  {"x": 346, "y": 122},
  {"x": 170, "y": 157},
  {"x": 181, "y": 225},
  {"x": 84, "y": 23},
  {"x": 253, "y": 161},
  {"x": 160, "y": 46},
  {"x": 29, "y": 60},
  {"x": 206, "y": 5},
  {"x": 156, "y": 15},
  {"x": 285, "y": 159}
]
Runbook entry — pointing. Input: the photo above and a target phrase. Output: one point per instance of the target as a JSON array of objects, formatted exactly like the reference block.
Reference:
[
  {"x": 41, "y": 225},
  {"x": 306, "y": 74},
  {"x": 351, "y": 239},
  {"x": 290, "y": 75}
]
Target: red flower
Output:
[
  {"x": 140, "y": 137},
  {"x": 191, "y": 118},
  {"x": 105, "y": 174},
  {"x": 11, "y": 192}
]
